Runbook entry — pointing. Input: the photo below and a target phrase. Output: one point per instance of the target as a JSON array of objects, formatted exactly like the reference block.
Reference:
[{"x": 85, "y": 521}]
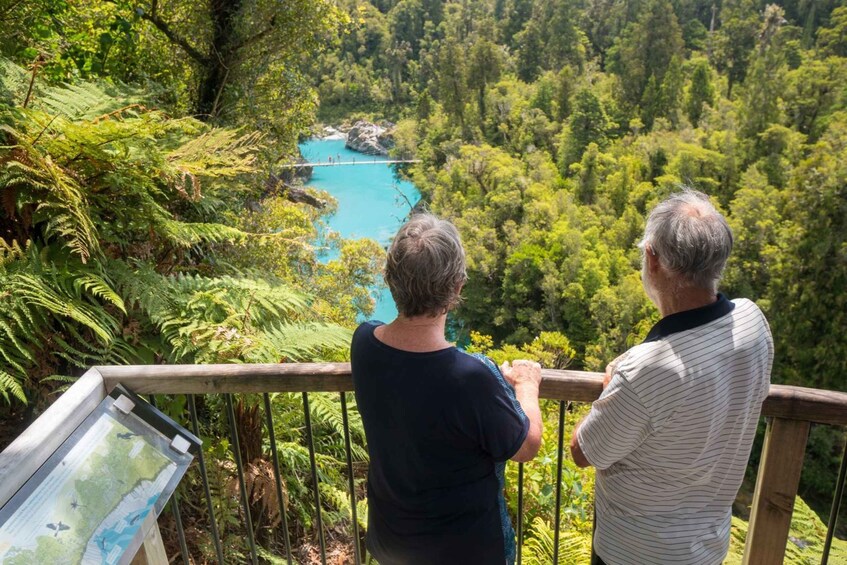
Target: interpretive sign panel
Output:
[{"x": 96, "y": 496}]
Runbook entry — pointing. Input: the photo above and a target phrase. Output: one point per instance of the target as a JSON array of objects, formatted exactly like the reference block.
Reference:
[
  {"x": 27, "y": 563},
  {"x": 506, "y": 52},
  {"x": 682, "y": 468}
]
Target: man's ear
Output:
[{"x": 652, "y": 259}]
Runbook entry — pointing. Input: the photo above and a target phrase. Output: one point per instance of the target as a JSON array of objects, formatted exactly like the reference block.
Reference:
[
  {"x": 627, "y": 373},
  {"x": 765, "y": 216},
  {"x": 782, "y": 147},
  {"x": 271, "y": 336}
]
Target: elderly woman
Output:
[{"x": 440, "y": 423}]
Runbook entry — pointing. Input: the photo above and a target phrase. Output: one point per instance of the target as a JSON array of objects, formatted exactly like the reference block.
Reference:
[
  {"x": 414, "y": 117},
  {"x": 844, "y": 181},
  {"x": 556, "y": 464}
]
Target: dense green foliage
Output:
[
  {"x": 144, "y": 220},
  {"x": 232, "y": 62},
  {"x": 129, "y": 237},
  {"x": 804, "y": 546},
  {"x": 153, "y": 278},
  {"x": 548, "y": 129}
]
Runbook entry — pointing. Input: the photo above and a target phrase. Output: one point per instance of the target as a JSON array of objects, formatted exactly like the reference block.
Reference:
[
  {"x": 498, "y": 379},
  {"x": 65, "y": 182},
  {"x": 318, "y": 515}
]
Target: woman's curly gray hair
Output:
[{"x": 425, "y": 267}]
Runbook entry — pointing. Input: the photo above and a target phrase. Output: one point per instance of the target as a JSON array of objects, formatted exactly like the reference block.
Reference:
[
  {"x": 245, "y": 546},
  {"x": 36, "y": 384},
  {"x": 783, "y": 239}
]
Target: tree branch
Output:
[
  {"x": 256, "y": 38},
  {"x": 162, "y": 25}
]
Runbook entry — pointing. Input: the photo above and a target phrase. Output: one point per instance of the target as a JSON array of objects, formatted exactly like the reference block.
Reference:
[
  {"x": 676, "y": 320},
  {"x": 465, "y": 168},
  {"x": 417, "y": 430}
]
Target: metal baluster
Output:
[
  {"x": 180, "y": 531},
  {"x": 836, "y": 506},
  {"x": 350, "y": 482},
  {"x": 236, "y": 450},
  {"x": 314, "y": 469},
  {"x": 560, "y": 451},
  {"x": 195, "y": 427},
  {"x": 269, "y": 419},
  {"x": 520, "y": 512}
]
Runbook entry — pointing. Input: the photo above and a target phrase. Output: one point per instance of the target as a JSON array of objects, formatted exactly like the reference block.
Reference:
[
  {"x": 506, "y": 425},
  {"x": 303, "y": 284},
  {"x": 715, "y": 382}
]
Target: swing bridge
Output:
[{"x": 353, "y": 162}]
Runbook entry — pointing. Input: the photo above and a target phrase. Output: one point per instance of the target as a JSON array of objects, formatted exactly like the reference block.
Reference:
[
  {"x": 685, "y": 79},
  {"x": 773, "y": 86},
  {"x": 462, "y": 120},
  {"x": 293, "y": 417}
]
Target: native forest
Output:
[{"x": 149, "y": 215}]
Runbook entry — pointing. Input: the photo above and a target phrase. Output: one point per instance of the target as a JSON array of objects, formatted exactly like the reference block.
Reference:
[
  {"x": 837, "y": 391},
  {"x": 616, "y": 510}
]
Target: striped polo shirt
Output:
[{"x": 671, "y": 435}]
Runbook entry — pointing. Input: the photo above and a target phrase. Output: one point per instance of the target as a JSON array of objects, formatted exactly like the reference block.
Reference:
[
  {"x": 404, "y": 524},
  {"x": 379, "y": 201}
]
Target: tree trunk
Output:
[{"x": 221, "y": 56}]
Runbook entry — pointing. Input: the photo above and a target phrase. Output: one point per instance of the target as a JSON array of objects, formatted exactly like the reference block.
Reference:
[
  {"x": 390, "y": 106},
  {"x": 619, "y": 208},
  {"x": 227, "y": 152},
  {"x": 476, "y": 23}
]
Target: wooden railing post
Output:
[
  {"x": 776, "y": 488},
  {"x": 152, "y": 551}
]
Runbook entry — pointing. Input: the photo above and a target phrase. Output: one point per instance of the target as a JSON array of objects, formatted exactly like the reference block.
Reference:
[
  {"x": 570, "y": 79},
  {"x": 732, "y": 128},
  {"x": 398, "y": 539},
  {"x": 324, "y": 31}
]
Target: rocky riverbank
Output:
[{"x": 365, "y": 137}]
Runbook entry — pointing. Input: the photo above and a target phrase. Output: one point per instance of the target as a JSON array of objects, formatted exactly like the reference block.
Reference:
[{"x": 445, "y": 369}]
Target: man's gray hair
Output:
[
  {"x": 690, "y": 238},
  {"x": 425, "y": 267}
]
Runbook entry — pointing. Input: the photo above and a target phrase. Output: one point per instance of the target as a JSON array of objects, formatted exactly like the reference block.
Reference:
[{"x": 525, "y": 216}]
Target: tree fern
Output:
[
  {"x": 87, "y": 100},
  {"x": 326, "y": 410},
  {"x": 88, "y": 172},
  {"x": 228, "y": 151},
  {"x": 185, "y": 234}
]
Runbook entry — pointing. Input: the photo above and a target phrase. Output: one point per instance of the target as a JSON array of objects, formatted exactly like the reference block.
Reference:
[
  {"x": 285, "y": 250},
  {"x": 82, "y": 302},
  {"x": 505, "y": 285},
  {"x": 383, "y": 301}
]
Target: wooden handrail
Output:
[
  {"x": 808, "y": 404},
  {"x": 787, "y": 402},
  {"x": 212, "y": 379}
]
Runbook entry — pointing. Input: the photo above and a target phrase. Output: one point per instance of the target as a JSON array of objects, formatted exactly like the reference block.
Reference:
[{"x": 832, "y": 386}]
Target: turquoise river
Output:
[{"x": 372, "y": 201}]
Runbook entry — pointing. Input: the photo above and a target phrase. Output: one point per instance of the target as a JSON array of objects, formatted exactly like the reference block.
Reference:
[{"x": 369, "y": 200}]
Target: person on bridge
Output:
[
  {"x": 440, "y": 423},
  {"x": 671, "y": 433}
]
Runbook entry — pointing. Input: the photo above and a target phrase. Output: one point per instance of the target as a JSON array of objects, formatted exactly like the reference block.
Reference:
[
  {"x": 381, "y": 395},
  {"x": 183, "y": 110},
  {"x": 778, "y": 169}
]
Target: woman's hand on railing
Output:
[
  {"x": 522, "y": 372},
  {"x": 525, "y": 376}
]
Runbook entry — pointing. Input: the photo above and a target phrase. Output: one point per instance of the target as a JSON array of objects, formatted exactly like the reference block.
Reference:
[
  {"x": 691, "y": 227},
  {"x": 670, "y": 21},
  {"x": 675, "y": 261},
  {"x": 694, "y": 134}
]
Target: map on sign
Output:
[{"x": 90, "y": 500}]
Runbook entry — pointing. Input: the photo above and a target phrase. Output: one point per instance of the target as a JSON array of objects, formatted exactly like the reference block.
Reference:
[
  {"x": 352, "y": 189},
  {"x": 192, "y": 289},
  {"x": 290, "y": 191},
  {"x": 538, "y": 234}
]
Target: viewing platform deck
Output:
[{"x": 790, "y": 411}]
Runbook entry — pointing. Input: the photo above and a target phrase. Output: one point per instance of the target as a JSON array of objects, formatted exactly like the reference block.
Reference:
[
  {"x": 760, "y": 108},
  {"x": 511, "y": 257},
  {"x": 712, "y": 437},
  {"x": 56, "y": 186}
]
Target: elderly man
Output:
[{"x": 671, "y": 434}]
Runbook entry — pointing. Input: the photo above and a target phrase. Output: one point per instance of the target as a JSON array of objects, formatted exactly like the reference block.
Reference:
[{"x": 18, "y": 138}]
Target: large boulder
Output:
[{"x": 370, "y": 139}]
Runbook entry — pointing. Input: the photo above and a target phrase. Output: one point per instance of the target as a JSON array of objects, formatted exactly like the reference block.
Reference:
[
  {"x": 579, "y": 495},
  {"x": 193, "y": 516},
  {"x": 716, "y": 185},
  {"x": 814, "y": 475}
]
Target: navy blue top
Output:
[{"x": 440, "y": 426}]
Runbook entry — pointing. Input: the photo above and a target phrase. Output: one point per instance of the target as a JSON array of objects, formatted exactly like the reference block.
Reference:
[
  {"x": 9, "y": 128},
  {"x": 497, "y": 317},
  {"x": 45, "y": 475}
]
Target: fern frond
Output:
[
  {"x": 13, "y": 81},
  {"x": 141, "y": 287},
  {"x": 221, "y": 152},
  {"x": 33, "y": 291},
  {"x": 184, "y": 234},
  {"x": 336, "y": 497},
  {"x": 10, "y": 252},
  {"x": 540, "y": 541},
  {"x": 64, "y": 379},
  {"x": 85, "y": 101},
  {"x": 298, "y": 342},
  {"x": 11, "y": 385},
  {"x": 10, "y": 334},
  {"x": 60, "y": 203},
  {"x": 325, "y": 409},
  {"x": 97, "y": 286},
  {"x": 258, "y": 301}
]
